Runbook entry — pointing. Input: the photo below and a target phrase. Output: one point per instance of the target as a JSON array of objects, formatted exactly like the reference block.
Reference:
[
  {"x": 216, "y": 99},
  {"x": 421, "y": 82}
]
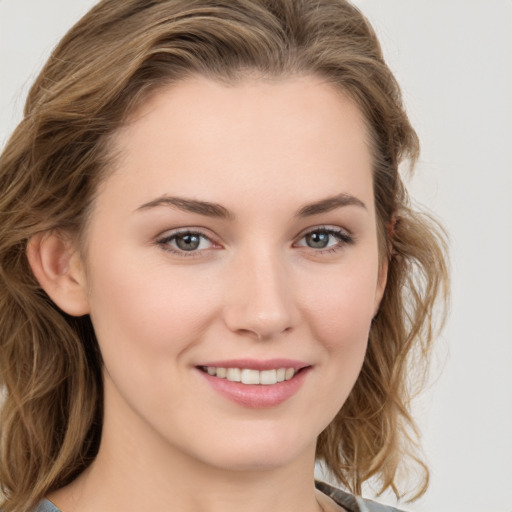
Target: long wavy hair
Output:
[{"x": 106, "y": 66}]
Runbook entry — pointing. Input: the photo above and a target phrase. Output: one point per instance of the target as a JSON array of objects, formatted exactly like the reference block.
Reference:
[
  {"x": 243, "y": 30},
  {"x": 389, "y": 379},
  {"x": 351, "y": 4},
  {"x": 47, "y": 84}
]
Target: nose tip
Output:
[
  {"x": 264, "y": 326},
  {"x": 260, "y": 301}
]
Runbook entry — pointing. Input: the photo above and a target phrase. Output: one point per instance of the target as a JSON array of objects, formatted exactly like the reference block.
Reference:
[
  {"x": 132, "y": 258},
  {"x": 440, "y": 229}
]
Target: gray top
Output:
[
  {"x": 352, "y": 503},
  {"x": 347, "y": 501},
  {"x": 46, "y": 506}
]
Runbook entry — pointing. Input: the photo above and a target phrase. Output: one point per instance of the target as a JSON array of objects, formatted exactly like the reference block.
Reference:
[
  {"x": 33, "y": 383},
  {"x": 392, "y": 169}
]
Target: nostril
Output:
[{"x": 264, "y": 334}]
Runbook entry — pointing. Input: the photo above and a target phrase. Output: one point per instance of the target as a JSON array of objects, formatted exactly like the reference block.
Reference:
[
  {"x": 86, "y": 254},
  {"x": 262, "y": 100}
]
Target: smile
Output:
[
  {"x": 251, "y": 376},
  {"x": 255, "y": 383}
]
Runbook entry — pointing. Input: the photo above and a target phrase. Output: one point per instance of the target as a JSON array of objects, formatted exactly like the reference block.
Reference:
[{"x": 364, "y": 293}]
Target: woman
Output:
[{"x": 211, "y": 275}]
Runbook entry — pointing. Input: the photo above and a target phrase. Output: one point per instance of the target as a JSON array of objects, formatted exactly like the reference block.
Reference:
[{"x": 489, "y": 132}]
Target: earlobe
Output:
[{"x": 58, "y": 267}]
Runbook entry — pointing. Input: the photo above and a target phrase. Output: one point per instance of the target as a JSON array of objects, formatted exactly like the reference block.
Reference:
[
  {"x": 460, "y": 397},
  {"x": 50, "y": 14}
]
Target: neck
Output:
[
  {"x": 140, "y": 485},
  {"x": 162, "y": 477}
]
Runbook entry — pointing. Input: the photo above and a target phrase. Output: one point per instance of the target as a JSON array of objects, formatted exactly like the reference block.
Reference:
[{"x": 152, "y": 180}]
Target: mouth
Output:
[
  {"x": 251, "y": 376},
  {"x": 255, "y": 384}
]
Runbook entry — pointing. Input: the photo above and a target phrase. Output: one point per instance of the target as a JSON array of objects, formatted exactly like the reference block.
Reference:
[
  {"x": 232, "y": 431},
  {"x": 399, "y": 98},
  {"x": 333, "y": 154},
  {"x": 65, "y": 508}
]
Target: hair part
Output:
[{"x": 50, "y": 171}]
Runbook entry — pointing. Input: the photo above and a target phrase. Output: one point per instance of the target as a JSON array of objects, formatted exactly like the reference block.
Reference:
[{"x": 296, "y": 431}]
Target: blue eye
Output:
[
  {"x": 318, "y": 240},
  {"x": 185, "y": 242},
  {"x": 323, "y": 238}
]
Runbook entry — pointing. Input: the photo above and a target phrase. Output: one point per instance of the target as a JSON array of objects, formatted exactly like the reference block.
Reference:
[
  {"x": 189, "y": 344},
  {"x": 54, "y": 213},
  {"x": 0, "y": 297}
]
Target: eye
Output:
[
  {"x": 325, "y": 238},
  {"x": 184, "y": 242}
]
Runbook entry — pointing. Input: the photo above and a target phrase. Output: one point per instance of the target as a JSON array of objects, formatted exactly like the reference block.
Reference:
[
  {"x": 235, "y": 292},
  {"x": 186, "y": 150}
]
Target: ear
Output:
[
  {"x": 57, "y": 265},
  {"x": 382, "y": 280}
]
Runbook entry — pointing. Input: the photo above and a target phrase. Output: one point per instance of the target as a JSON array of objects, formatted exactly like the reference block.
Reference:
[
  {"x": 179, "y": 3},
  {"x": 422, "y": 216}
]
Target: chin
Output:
[
  {"x": 254, "y": 462},
  {"x": 258, "y": 452}
]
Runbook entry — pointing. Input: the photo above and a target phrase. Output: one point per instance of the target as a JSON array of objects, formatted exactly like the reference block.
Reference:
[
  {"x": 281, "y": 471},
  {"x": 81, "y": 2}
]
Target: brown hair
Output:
[{"x": 50, "y": 366}]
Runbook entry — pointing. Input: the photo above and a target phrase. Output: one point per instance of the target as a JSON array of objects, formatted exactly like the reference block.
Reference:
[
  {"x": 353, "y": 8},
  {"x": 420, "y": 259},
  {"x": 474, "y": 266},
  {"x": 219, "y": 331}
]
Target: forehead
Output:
[{"x": 298, "y": 135}]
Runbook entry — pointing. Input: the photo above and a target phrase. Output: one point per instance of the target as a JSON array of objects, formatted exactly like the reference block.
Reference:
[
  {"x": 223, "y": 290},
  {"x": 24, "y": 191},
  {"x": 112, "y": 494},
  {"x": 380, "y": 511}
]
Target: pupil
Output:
[
  {"x": 317, "y": 240},
  {"x": 187, "y": 242}
]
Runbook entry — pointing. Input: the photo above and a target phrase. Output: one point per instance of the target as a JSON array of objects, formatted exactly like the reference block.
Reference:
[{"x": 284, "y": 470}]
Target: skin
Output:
[{"x": 254, "y": 288}]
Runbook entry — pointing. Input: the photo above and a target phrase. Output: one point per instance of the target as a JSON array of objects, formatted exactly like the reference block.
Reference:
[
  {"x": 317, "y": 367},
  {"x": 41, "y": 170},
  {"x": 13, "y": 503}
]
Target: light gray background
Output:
[{"x": 453, "y": 59}]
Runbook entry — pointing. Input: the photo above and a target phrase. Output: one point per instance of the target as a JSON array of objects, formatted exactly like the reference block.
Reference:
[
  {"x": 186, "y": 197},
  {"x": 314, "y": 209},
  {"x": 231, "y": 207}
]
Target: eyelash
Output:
[
  {"x": 342, "y": 236},
  {"x": 164, "y": 242}
]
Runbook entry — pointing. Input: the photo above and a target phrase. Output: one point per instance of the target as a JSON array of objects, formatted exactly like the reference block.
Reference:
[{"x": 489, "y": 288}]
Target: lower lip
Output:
[{"x": 256, "y": 396}]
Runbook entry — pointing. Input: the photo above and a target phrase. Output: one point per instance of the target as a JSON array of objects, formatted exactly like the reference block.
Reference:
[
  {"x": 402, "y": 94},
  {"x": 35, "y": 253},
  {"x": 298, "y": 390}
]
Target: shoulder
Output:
[
  {"x": 46, "y": 506},
  {"x": 352, "y": 503}
]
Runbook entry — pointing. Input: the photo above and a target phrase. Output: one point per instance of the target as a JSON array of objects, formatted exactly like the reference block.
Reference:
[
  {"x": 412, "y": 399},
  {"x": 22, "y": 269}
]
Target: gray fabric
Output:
[
  {"x": 352, "y": 503},
  {"x": 373, "y": 506},
  {"x": 46, "y": 506},
  {"x": 347, "y": 501}
]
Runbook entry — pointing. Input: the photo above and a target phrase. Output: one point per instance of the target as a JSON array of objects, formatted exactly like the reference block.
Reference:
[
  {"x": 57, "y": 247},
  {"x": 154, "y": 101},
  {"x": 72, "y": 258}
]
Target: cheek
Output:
[
  {"x": 341, "y": 310},
  {"x": 148, "y": 310},
  {"x": 146, "y": 321},
  {"x": 339, "y": 314}
]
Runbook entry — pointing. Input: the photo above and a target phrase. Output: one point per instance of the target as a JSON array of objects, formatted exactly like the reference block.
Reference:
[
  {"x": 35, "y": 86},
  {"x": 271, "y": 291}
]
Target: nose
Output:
[{"x": 260, "y": 299}]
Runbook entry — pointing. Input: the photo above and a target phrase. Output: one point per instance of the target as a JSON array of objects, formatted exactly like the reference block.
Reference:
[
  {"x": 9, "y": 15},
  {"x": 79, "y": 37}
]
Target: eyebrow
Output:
[
  {"x": 329, "y": 204},
  {"x": 191, "y": 205},
  {"x": 216, "y": 210}
]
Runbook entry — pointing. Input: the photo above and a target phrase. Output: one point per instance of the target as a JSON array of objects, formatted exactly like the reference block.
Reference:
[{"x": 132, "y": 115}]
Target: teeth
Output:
[
  {"x": 247, "y": 376},
  {"x": 250, "y": 376},
  {"x": 268, "y": 377},
  {"x": 233, "y": 374}
]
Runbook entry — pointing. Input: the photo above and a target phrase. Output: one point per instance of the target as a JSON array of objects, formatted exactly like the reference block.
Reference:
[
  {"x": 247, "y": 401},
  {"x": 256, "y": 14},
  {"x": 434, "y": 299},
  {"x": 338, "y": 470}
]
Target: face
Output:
[{"x": 236, "y": 239}]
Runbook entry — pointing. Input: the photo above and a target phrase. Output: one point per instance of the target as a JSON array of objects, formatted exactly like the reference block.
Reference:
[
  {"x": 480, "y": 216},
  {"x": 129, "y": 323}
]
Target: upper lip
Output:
[{"x": 255, "y": 364}]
